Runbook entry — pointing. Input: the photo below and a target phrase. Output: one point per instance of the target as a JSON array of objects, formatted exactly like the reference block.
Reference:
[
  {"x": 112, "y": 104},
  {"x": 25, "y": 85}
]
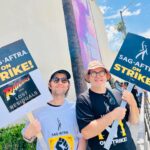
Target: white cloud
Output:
[
  {"x": 129, "y": 13},
  {"x": 113, "y": 16},
  {"x": 114, "y": 37},
  {"x": 104, "y": 9},
  {"x": 146, "y": 33},
  {"x": 111, "y": 31},
  {"x": 126, "y": 12}
]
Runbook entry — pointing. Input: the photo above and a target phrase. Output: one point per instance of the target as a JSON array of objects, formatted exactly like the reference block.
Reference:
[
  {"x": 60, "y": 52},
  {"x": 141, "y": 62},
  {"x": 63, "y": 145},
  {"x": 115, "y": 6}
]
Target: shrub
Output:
[{"x": 11, "y": 139}]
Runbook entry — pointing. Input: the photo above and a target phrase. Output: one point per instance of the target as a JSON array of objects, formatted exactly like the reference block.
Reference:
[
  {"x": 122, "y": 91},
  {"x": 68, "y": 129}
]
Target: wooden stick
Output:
[{"x": 39, "y": 135}]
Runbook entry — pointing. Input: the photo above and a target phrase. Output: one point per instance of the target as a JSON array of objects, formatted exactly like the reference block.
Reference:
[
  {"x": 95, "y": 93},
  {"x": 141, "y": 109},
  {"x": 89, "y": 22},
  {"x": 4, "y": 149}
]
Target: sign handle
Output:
[
  {"x": 39, "y": 135},
  {"x": 113, "y": 130}
]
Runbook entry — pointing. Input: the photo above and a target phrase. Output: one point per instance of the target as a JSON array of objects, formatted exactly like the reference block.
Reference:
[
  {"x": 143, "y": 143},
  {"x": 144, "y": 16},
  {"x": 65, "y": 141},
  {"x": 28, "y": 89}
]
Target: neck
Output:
[
  {"x": 100, "y": 90},
  {"x": 57, "y": 100}
]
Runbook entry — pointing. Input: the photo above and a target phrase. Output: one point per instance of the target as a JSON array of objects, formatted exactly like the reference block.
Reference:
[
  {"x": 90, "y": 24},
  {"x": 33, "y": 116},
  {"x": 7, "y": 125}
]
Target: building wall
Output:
[{"x": 40, "y": 23}]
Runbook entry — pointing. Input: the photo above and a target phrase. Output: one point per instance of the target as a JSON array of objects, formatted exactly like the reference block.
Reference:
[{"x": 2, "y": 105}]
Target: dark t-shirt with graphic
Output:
[{"x": 91, "y": 106}]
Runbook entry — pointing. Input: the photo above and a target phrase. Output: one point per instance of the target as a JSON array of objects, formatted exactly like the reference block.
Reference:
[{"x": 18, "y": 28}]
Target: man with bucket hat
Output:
[
  {"x": 97, "y": 109},
  {"x": 57, "y": 120}
]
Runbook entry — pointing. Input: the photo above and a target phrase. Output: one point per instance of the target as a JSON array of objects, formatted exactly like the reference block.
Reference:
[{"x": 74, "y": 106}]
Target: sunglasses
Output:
[{"x": 63, "y": 80}]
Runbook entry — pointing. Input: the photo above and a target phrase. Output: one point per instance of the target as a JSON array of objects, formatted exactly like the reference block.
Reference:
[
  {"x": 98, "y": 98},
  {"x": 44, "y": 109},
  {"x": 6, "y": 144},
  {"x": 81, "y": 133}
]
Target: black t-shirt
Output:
[{"x": 91, "y": 106}]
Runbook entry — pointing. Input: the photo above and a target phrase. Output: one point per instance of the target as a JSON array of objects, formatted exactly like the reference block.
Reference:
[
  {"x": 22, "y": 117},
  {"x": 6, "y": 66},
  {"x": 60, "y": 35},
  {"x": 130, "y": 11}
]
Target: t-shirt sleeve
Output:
[{"x": 84, "y": 112}]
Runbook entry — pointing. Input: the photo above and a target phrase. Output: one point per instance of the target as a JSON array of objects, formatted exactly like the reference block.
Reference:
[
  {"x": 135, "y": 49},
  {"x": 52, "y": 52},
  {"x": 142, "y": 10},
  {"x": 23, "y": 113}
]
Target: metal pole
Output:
[
  {"x": 121, "y": 12},
  {"x": 124, "y": 27}
]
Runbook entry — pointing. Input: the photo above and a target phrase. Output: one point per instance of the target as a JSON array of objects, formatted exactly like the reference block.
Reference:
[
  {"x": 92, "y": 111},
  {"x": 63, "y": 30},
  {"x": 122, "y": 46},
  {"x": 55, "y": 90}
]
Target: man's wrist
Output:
[{"x": 29, "y": 140}]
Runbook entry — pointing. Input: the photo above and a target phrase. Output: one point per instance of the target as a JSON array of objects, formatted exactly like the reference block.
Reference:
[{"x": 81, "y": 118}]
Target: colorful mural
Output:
[{"x": 86, "y": 31}]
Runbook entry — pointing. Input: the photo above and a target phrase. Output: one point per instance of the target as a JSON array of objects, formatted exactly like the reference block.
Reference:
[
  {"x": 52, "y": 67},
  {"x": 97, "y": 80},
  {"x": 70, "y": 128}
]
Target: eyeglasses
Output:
[
  {"x": 100, "y": 73},
  {"x": 63, "y": 80}
]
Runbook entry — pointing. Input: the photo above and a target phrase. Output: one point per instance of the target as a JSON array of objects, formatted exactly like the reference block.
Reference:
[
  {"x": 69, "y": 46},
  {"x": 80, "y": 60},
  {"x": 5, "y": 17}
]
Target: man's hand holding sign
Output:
[
  {"x": 133, "y": 67},
  {"x": 34, "y": 128},
  {"x": 98, "y": 108},
  {"x": 53, "y": 120},
  {"x": 21, "y": 86}
]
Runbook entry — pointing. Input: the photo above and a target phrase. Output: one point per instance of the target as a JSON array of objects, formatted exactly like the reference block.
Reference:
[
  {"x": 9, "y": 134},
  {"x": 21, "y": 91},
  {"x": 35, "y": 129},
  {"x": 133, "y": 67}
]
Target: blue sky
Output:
[{"x": 136, "y": 17}]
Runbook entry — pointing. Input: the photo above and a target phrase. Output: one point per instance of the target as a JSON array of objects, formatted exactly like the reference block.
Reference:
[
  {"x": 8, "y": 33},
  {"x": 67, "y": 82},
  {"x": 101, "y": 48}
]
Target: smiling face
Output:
[
  {"x": 59, "y": 85},
  {"x": 98, "y": 77}
]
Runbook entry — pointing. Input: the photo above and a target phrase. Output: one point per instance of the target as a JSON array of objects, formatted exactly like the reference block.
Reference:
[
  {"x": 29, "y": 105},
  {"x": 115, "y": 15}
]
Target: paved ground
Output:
[{"x": 138, "y": 131}]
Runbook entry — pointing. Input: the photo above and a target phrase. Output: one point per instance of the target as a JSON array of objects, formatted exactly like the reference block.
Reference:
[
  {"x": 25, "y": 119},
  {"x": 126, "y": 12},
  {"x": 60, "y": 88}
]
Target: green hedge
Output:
[{"x": 11, "y": 139}]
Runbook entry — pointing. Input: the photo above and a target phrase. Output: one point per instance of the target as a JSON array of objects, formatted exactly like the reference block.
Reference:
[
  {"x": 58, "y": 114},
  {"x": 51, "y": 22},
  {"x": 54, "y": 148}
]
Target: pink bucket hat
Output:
[{"x": 93, "y": 65}]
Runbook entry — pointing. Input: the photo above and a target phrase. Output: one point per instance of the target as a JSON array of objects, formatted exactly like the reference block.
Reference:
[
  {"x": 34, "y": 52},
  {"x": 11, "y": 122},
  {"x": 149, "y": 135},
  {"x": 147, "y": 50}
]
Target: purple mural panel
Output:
[{"x": 86, "y": 32}]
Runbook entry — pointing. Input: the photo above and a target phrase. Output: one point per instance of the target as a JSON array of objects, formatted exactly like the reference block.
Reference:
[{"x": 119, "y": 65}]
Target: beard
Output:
[{"x": 59, "y": 93}]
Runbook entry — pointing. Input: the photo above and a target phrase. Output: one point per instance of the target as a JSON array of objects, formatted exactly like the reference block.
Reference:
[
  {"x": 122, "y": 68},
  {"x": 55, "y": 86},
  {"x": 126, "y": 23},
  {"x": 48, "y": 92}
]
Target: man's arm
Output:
[
  {"x": 82, "y": 144},
  {"x": 31, "y": 131},
  {"x": 95, "y": 127},
  {"x": 134, "y": 111}
]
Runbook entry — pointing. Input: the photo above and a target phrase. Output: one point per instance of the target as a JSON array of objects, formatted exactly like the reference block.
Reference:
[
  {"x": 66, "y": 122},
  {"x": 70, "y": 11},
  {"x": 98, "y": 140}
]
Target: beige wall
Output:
[{"x": 41, "y": 24}]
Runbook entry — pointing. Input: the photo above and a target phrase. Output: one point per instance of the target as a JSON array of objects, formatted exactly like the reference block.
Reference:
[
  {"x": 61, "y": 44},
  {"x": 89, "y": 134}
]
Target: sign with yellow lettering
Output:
[
  {"x": 132, "y": 62},
  {"x": 15, "y": 61},
  {"x": 21, "y": 86}
]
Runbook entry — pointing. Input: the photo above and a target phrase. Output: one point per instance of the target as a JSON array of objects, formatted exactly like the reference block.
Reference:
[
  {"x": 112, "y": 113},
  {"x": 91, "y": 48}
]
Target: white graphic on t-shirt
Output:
[
  {"x": 108, "y": 130},
  {"x": 107, "y": 107},
  {"x": 62, "y": 144},
  {"x": 123, "y": 132}
]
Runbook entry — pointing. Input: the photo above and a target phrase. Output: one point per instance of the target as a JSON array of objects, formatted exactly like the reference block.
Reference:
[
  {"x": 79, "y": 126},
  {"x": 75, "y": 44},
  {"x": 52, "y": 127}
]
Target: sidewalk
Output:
[
  {"x": 138, "y": 131},
  {"x": 147, "y": 121}
]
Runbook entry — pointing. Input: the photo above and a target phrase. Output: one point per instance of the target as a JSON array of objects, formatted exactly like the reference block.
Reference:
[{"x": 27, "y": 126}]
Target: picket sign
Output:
[
  {"x": 114, "y": 128},
  {"x": 133, "y": 56},
  {"x": 39, "y": 135}
]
